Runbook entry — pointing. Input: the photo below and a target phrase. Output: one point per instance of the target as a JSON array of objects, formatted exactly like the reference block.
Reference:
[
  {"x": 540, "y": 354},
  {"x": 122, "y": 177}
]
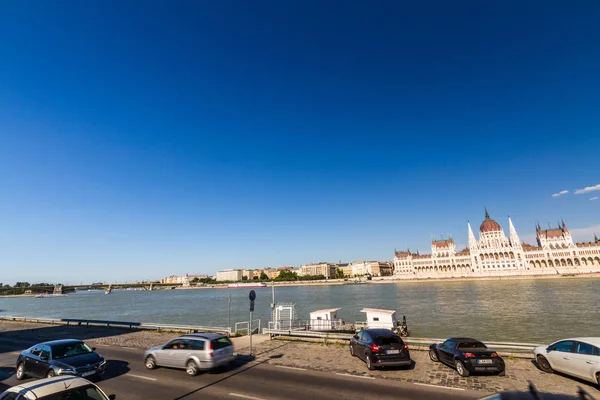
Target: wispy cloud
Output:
[
  {"x": 594, "y": 198},
  {"x": 588, "y": 189},
  {"x": 560, "y": 193}
]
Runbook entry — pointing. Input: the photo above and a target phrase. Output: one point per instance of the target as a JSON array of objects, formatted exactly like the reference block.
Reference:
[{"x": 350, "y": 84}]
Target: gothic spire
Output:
[
  {"x": 514, "y": 237},
  {"x": 472, "y": 240},
  {"x": 487, "y": 215}
]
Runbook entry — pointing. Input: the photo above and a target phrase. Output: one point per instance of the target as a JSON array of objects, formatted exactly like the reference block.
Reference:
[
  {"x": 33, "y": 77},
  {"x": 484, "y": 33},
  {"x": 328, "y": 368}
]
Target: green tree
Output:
[
  {"x": 339, "y": 273},
  {"x": 287, "y": 276},
  {"x": 263, "y": 276},
  {"x": 22, "y": 284}
]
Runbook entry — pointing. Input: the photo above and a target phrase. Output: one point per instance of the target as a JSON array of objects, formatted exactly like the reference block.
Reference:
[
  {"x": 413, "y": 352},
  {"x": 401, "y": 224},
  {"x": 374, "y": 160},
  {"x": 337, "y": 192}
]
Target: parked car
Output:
[
  {"x": 380, "y": 348},
  {"x": 56, "y": 388},
  {"x": 60, "y": 357},
  {"x": 194, "y": 352},
  {"x": 467, "y": 356},
  {"x": 578, "y": 357}
]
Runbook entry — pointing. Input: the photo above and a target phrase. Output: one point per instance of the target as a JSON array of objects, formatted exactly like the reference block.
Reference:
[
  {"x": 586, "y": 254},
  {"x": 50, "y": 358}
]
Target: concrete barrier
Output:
[
  {"x": 504, "y": 348},
  {"x": 120, "y": 324}
]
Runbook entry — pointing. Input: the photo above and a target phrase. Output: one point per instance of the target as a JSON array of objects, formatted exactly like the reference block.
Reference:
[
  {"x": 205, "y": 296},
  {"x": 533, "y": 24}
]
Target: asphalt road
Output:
[{"x": 247, "y": 378}]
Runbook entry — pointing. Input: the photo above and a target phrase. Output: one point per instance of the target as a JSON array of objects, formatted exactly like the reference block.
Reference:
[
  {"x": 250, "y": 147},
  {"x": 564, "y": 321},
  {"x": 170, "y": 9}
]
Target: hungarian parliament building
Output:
[{"x": 494, "y": 254}]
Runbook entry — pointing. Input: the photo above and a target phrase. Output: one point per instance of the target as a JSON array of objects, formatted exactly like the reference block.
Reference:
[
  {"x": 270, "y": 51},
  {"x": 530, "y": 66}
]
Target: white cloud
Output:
[
  {"x": 588, "y": 189},
  {"x": 560, "y": 193},
  {"x": 594, "y": 198}
]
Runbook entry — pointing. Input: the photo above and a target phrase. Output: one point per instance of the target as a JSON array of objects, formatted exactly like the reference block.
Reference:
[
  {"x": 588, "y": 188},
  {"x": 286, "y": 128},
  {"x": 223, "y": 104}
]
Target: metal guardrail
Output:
[
  {"x": 120, "y": 324},
  {"x": 415, "y": 342},
  {"x": 244, "y": 326}
]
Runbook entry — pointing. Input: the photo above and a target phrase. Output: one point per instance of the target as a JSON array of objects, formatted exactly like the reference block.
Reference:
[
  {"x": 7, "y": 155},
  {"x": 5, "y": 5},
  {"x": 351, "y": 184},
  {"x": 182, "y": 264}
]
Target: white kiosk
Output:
[
  {"x": 321, "y": 320},
  {"x": 378, "y": 318}
]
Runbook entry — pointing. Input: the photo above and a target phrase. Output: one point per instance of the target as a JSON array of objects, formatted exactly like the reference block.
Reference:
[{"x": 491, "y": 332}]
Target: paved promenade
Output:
[{"x": 318, "y": 357}]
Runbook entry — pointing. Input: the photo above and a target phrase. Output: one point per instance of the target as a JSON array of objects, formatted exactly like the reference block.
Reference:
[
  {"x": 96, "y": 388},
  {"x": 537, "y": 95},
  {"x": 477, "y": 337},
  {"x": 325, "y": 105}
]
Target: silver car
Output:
[{"x": 193, "y": 352}]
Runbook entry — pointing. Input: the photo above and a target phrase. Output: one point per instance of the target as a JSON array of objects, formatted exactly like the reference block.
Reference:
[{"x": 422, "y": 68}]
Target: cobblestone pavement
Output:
[{"x": 334, "y": 358}]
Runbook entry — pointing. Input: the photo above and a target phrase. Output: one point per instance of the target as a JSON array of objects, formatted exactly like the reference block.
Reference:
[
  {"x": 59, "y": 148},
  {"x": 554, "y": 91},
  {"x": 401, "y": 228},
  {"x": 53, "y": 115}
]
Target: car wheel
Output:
[
  {"x": 150, "y": 362},
  {"x": 191, "y": 368},
  {"x": 433, "y": 355},
  {"x": 460, "y": 368},
  {"x": 50, "y": 374},
  {"x": 20, "y": 374},
  {"x": 544, "y": 364},
  {"x": 352, "y": 351},
  {"x": 370, "y": 365},
  {"x": 598, "y": 378}
]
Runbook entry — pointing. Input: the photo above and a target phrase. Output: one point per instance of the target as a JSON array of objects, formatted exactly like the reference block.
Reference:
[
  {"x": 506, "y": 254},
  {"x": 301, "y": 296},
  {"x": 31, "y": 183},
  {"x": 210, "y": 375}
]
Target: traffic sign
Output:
[{"x": 252, "y": 295}]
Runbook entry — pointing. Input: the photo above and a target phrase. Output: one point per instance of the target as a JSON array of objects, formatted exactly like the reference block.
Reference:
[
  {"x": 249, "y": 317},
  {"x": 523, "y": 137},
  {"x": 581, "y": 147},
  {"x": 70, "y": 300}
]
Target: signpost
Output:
[{"x": 252, "y": 297}]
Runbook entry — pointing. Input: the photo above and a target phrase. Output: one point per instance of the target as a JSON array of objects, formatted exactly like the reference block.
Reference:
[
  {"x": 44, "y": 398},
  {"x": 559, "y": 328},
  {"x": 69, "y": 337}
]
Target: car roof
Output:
[
  {"x": 44, "y": 387},
  {"x": 464, "y": 339},
  {"x": 591, "y": 340},
  {"x": 59, "y": 342},
  {"x": 207, "y": 336},
  {"x": 380, "y": 332}
]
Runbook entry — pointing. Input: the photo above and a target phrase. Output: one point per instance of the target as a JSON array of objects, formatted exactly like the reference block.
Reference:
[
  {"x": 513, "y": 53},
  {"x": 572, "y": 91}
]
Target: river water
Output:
[{"x": 509, "y": 310}]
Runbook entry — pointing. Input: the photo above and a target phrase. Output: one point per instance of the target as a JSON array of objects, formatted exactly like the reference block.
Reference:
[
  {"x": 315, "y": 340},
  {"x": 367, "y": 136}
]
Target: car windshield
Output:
[
  {"x": 70, "y": 350},
  {"x": 387, "y": 340},
  {"x": 221, "y": 343},
  {"x": 472, "y": 345},
  {"x": 88, "y": 392}
]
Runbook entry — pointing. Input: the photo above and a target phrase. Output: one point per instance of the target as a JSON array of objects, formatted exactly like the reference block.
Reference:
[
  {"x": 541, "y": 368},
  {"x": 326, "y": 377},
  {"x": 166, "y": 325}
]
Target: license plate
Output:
[
  {"x": 392, "y": 352},
  {"x": 484, "y": 361},
  {"x": 88, "y": 373}
]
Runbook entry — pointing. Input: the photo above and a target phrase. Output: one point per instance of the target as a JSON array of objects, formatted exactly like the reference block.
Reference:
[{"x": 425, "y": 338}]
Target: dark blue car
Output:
[{"x": 60, "y": 357}]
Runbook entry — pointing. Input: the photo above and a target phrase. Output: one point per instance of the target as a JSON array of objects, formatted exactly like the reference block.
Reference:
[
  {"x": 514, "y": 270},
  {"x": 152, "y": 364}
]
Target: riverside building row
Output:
[
  {"x": 328, "y": 270},
  {"x": 495, "y": 254}
]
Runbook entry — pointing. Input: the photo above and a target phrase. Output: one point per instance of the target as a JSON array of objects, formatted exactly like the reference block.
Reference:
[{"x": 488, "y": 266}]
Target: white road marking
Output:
[
  {"x": 286, "y": 367},
  {"x": 243, "y": 396},
  {"x": 437, "y": 386},
  {"x": 142, "y": 377},
  {"x": 355, "y": 376}
]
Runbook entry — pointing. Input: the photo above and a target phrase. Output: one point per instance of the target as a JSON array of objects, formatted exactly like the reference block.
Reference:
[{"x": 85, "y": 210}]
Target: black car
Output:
[
  {"x": 467, "y": 356},
  {"x": 380, "y": 348},
  {"x": 60, "y": 357}
]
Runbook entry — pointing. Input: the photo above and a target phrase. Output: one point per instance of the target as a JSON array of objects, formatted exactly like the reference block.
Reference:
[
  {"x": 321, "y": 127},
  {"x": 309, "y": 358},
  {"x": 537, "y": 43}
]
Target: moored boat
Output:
[{"x": 247, "y": 285}]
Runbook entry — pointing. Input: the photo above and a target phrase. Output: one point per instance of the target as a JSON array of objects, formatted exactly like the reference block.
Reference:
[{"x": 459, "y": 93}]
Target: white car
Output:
[
  {"x": 578, "y": 357},
  {"x": 56, "y": 388}
]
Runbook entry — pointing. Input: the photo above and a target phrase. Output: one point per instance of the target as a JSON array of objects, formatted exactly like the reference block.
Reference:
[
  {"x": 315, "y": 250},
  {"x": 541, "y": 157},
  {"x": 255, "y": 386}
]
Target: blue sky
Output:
[{"x": 144, "y": 139}]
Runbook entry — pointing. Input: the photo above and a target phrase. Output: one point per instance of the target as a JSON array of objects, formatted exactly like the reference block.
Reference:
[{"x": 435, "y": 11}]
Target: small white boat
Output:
[
  {"x": 246, "y": 285},
  {"x": 109, "y": 290}
]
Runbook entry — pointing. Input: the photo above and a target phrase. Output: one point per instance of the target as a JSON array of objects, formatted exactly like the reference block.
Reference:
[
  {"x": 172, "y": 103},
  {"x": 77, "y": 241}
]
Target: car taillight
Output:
[
  {"x": 469, "y": 355},
  {"x": 494, "y": 354},
  {"x": 406, "y": 347},
  {"x": 210, "y": 347},
  {"x": 374, "y": 348}
]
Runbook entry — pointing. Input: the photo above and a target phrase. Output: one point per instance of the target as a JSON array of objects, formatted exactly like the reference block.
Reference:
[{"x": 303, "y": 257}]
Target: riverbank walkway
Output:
[{"x": 334, "y": 359}]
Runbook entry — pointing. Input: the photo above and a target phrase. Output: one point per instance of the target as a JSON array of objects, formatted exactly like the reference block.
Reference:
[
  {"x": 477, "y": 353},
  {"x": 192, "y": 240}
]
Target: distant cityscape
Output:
[{"x": 494, "y": 254}]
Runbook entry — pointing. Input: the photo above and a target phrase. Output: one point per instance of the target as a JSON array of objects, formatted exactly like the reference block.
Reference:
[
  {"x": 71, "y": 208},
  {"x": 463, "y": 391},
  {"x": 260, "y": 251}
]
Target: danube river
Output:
[{"x": 516, "y": 310}]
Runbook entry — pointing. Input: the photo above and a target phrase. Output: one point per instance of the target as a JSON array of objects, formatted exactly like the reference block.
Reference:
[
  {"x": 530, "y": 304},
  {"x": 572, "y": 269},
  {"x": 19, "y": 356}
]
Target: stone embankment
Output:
[{"x": 333, "y": 358}]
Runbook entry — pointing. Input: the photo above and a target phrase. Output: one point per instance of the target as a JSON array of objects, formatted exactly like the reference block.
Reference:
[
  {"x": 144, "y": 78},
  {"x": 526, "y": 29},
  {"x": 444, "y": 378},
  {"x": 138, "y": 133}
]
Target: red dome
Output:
[{"x": 489, "y": 225}]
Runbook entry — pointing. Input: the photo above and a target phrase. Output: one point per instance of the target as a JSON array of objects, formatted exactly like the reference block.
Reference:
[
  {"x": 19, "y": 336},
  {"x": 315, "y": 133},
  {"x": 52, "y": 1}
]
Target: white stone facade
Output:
[
  {"x": 233, "y": 275},
  {"x": 328, "y": 270},
  {"x": 494, "y": 254}
]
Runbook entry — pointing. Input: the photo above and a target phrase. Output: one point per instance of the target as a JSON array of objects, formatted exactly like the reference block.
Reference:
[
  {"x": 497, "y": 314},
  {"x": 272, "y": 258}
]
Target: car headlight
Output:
[
  {"x": 102, "y": 364},
  {"x": 66, "y": 371}
]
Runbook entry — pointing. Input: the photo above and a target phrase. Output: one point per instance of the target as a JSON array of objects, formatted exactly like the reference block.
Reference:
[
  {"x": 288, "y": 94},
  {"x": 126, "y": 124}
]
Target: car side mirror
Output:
[
  {"x": 112, "y": 397},
  {"x": 548, "y": 349},
  {"x": 44, "y": 358},
  {"x": 93, "y": 349}
]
